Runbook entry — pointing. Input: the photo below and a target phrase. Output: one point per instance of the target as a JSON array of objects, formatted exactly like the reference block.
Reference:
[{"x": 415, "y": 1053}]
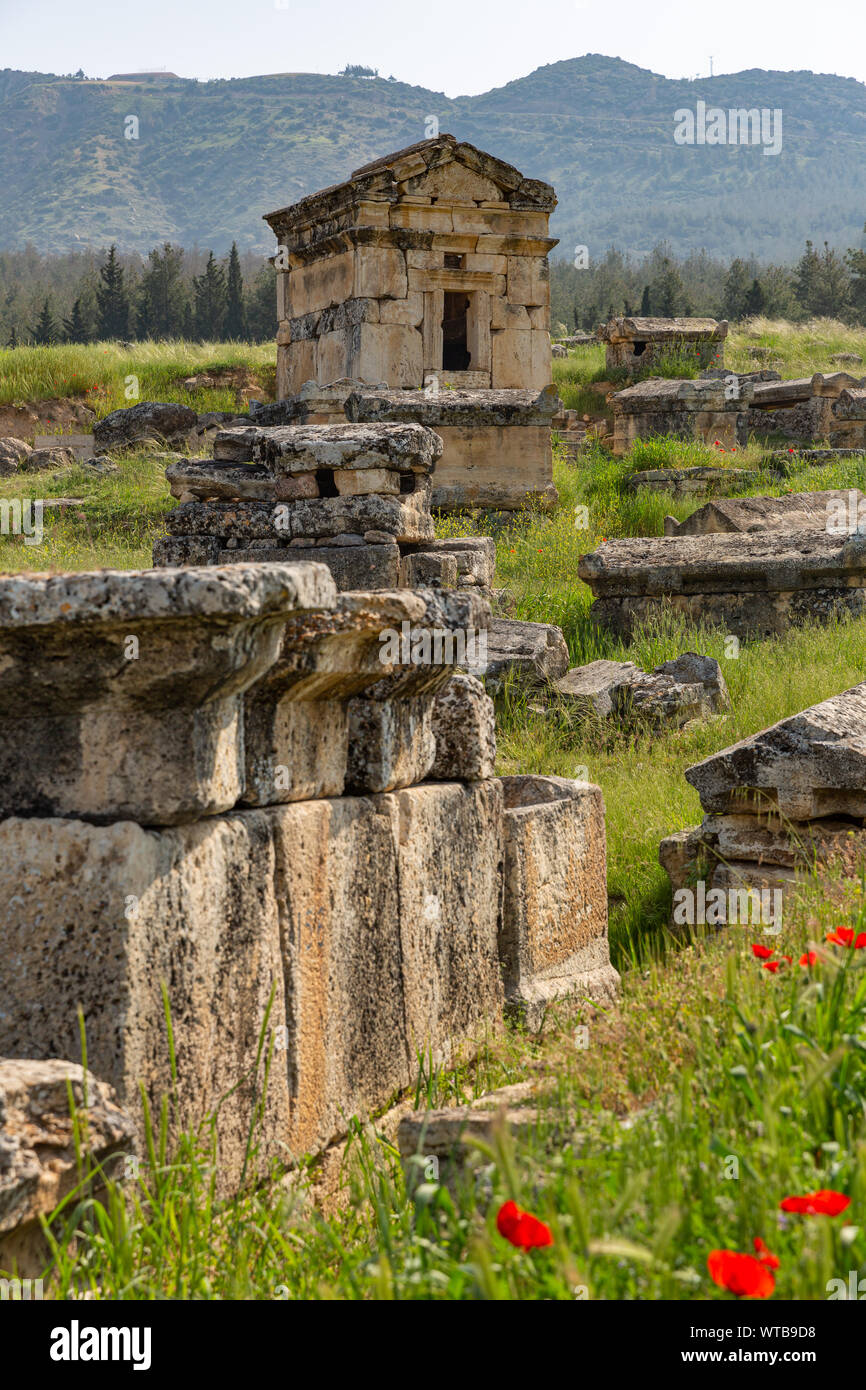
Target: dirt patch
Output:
[{"x": 66, "y": 414}]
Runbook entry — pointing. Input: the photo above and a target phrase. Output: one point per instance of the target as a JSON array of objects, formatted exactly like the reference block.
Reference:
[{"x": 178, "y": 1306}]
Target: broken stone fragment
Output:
[
  {"x": 146, "y": 721},
  {"x": 226, "y": 480},
  {"x": 147, "y": 420},
  {"x": 809, "y": 766},
  {"x": 13, "y": 453},
  {"x": 44, "y": 1152},
  {"x": 592, "y": 686},
  {"x": 464, "y": 729}
]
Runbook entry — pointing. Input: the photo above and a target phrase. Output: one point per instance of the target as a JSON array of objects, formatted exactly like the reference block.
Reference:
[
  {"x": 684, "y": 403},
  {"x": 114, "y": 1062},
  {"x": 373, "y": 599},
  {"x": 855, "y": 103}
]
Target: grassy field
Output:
[{"x": 716, "y": 1090}]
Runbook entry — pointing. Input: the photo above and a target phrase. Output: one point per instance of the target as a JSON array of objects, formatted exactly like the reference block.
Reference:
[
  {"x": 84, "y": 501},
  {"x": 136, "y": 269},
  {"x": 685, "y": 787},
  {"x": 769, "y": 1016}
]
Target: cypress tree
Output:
[
  {"x": 112, "y": 299},
  {"x": 210, "y": 301},
  {"x": 45, "y": 329},
  {"x": 235, "y": 319}
]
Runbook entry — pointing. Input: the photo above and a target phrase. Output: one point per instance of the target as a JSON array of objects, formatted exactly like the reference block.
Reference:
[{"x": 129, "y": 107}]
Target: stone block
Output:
[
  {"x": 464, "y": 729},
  {"x": 361, "y": 482},
  {"x": 424, "y": 568},
  {"x": 534, "y": 653},
  {"x": 553, "y": 940},
  {"x": 121, "y": 690}
]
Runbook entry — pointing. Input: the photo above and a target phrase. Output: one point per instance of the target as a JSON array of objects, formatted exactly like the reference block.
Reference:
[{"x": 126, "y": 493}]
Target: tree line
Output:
[
  {"x": 823, "y": 283},
  {"x": 87, "y": 297}
]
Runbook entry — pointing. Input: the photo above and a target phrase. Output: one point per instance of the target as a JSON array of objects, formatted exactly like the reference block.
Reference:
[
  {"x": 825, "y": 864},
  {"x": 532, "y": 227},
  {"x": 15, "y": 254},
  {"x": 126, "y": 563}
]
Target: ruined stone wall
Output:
[{"x": 277, "y": 803}]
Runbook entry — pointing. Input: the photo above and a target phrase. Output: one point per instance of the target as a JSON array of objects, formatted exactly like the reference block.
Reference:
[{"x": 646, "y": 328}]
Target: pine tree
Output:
[
  {"x": 645, "y": 303},
  {"x": 235, "y": 320},
  {"x": 755, "y": 299},
  {"x": 856, "y": 262},
  {"x": 45, "y": 329},
  {"x": 112, "y": 299},
  {"x": 210, "y": 301},
  {"x": 162, "y": 296},
  {"x": 806, "y": 277},
  {"x": 736, "y": 290},
  {"x": 75, "y": 328}
]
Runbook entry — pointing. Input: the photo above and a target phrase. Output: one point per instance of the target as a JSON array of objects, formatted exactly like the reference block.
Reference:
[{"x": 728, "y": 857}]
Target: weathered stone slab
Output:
[
  {"x": 799, "y": 511},
  {"x": 687, "y": 481},
  {"x": 42, "y": 1152},
  {"x": 405, "y": 518},
  {"x": 750, "y": 584},
  {"x": 431, "y": 569},
  {"x": 403, "y": 445},
  {"x": 120, "y": 691},
  {"x": 689, "y": 687},
  {"x": 535, "y": 652},
  {"x": 809, "y": 766},
  {"x": 192, "y": 478},
  {"x": 553, "y": 941}
]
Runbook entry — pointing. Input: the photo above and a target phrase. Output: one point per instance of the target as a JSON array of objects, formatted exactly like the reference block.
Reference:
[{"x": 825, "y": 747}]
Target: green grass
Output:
[{"x": 708, "y": 1059}]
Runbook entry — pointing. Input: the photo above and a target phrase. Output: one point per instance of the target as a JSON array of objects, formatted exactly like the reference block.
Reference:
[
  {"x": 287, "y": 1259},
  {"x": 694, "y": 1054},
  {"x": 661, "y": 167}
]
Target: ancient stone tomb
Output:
[
  {"x": 636, "y": 343},
  {"x": 431, "y": 260},
  {"x": 278, "y": 802}
]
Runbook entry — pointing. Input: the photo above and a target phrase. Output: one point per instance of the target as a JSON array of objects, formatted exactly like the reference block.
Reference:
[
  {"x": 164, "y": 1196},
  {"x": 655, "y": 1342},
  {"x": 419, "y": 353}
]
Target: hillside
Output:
[{"x": 212, "y": 157}]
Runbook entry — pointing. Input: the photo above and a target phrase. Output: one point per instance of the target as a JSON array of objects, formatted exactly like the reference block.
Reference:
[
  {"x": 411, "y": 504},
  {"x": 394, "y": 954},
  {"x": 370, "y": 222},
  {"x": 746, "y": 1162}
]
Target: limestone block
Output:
[
  {"x": 404, "y": 518},
  {"x": 194, "y": 478},
  {"x": 43, "y": 1156},
  {"x": 185, "y": 550},
  {"x": 464, "y": 728},
  {"x": 292, "y": 487},
  {"x": 511, "y": 358},
  {"x": 321, "y": 283},
  {"x": 811, "y": 765},
  {"x": 593, "y": 686},
  {"x": 490, "y": 265},
  {"x": 121, "y": 690},
  {"x": 391, "y": 743},
  {"x": 799, "y": 511},
  {"x": 475, "y": 556},
  {"x": 333, "y": 355},
  {"x": 380, "y": 272},
  {"x": 553, "y": 940},
  {"x": 296, "y": 363},
  {"x": 420, "y": 218},
  {"x": 235, "y": 444},
  {"x": 352, "y": 566},
  {"x": 407, "y": 311},
  {"x": 392, "y": 352},
  {"x": 425, "y": 568},
  {"x": 383, "y": 954},
  {"x": 529, "y": 280},
  {"x": 106, "y": 914},
  {"x": 296, "y": 718},
  {"x": 307, "y": 448},
  {"x": 513, "y": 317},
  {"x": 360, "y": 482}
]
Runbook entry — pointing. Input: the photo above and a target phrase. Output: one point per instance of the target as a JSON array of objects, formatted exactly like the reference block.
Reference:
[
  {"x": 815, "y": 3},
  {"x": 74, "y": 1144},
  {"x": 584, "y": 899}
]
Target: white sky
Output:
[{"x": 445, "y": 45}]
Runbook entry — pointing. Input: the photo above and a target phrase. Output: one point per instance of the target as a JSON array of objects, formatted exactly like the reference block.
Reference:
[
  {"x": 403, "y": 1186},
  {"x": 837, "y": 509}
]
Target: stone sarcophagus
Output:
[
  {"x": 636, "y": 343},
  {"x": 430, "y": 261}
]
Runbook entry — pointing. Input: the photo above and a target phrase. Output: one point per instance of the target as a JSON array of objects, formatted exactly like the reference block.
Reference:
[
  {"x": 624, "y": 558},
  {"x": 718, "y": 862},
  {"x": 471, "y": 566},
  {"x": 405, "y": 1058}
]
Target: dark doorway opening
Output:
[
  {"x": 638, "y": 349},
  {"x": 455, "y": 352},
  {"x": 326, "y": 482}
]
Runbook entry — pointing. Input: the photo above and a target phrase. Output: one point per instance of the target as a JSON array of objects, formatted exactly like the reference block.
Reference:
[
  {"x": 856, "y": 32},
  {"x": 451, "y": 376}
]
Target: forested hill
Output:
[{"x": 211, "y": 157}]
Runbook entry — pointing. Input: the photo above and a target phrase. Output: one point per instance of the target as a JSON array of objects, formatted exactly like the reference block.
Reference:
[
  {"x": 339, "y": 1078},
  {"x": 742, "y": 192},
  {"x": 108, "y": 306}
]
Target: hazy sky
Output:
[{"x": 446, "y": 45}]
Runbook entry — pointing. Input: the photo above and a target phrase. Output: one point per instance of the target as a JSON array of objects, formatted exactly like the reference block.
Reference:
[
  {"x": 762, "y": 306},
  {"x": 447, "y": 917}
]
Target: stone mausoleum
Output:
[{"x": 425, "y": 274}]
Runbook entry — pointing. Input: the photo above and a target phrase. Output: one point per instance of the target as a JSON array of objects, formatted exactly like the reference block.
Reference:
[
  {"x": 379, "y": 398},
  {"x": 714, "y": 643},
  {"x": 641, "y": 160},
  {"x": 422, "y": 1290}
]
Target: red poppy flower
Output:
[
  {"x": 765, "y": 1255},
  {"x": 825, "y": 1202},
  {"x": 844, "y": 936},
  {"x": 771, "y": 965},
  {"x": 522, "y": 1229},
  {"x": 808, "y": 958},
  {"x": 762, "y": 952},
  {"x": 742, "y": 1275}
]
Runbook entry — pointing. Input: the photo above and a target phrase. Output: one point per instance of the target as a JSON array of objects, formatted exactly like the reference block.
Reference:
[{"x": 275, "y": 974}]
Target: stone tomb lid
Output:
[
  {"x": 114, "y": 596},
  {"x": 659, "y": 329},
  {"x": 809, "y": 511},
  {"x": 484, "y": 407}
]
